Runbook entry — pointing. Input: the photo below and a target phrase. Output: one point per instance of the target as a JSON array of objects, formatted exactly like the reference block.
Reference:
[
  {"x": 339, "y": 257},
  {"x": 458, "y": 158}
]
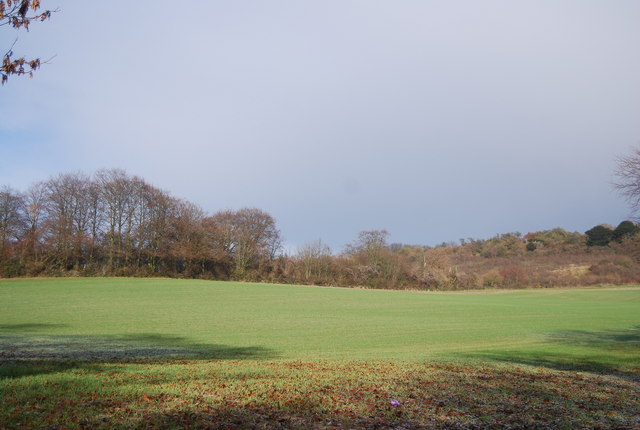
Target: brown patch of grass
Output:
[{"x": 572, "y": 270}]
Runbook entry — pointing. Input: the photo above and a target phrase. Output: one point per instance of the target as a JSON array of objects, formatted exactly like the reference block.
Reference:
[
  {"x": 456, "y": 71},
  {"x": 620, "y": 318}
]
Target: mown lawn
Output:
[{"x": 170, "y": 353}]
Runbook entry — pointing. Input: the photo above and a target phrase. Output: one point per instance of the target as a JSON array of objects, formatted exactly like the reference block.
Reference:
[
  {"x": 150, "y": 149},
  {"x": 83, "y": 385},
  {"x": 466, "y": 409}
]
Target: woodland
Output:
[{"x": 111, "y": 223}]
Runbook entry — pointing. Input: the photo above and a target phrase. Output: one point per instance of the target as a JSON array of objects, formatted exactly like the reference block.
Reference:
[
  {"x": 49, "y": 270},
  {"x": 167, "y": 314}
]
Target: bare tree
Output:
[
  {"x": 188, "y": 247},
  {"x": 370, "y": 243},
  {"x": 628, "y": 178},
  {"x": 372, "y": 262},
  {"x": 70, "y": 211},
  {"x": 151, "y": 209},
  {"x": 316, "y": 260},
  {"x": 249, "y": 236},
  {"x": 117, "y": 193},
  {"x": 35, "y": 210},
  {"x": 155, "y": 211},
  {"x": 10, "y": 216}
]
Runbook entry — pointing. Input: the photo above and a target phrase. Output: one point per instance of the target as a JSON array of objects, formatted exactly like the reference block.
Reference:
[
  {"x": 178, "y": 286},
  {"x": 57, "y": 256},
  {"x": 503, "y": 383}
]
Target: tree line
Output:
[
  {"x": 115, "y": 224},
  {"x": 112, "y": 223}
]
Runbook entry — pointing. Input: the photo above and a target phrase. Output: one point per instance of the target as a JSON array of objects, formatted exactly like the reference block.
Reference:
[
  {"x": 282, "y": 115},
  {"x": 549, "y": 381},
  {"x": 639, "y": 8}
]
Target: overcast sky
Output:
[{"x": 434, "y": 120}]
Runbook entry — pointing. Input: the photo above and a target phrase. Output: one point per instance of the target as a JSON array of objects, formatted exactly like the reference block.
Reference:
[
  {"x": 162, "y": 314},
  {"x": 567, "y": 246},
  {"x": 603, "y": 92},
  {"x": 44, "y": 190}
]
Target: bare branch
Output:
[
  {"x": 20, "y": 14},
  {"x": 628, "y": 178}
]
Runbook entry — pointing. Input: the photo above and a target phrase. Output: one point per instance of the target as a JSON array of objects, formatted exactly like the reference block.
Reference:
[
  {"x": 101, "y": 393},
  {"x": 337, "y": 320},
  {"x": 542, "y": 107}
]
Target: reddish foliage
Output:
[{"x": 19, "y": 14}]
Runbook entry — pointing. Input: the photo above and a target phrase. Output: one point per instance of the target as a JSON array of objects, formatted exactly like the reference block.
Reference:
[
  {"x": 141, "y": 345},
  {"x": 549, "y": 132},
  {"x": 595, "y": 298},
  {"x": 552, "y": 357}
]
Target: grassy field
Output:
[{"x": 97, "y": 352}]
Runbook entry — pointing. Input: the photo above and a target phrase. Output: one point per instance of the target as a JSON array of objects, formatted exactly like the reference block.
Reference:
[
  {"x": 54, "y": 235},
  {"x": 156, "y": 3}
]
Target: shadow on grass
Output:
[
  {"x": 22, "y": 328},
  {"x": 498, "y": 399},
  {"x": 309, "y": 416},
  {"x": 615, "y": 352},
  {"x": 31, "y": 354},
  {"x": 610, "y": 339},
  {"x": 320, "y": 395}
]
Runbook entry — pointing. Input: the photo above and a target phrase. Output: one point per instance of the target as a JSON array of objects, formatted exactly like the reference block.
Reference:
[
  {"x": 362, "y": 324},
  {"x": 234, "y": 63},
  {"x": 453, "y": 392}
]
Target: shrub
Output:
[
  {"x": 513, "y": 276},
  {"x": 11, "y": 269},
  {"x": 625, "y": 229},
  {"x": 599, "y": 236},
  {"x": 492, "y": 279}
]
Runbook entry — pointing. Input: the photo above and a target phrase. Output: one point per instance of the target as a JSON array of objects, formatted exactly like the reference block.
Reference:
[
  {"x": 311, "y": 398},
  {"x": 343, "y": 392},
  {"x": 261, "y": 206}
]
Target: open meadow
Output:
[{"x": 119, "y": 352}]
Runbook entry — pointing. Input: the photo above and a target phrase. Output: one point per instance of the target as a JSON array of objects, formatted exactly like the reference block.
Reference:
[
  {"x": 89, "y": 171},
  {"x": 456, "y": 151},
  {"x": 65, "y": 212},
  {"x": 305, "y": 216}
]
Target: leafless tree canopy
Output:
[
  {"x": 628, "y": 179},
  {"x": 115, "y": 223}
]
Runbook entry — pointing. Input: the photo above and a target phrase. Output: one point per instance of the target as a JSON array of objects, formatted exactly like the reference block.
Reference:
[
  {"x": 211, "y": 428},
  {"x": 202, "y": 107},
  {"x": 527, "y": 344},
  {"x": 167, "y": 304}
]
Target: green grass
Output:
[
  {"x": 177, "y": 352},
  {"x": 293, "y": 322}
]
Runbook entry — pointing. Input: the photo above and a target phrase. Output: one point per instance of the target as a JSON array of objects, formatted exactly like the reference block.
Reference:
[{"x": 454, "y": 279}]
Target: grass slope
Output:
[
  {"x": 292, "y": 322},
  {"x": 136, "y": 352}
]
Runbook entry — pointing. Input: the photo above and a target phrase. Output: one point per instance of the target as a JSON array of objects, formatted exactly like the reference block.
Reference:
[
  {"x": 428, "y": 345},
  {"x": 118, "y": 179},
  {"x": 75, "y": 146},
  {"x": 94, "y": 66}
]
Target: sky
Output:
[{"x": 433, "y": 120}]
